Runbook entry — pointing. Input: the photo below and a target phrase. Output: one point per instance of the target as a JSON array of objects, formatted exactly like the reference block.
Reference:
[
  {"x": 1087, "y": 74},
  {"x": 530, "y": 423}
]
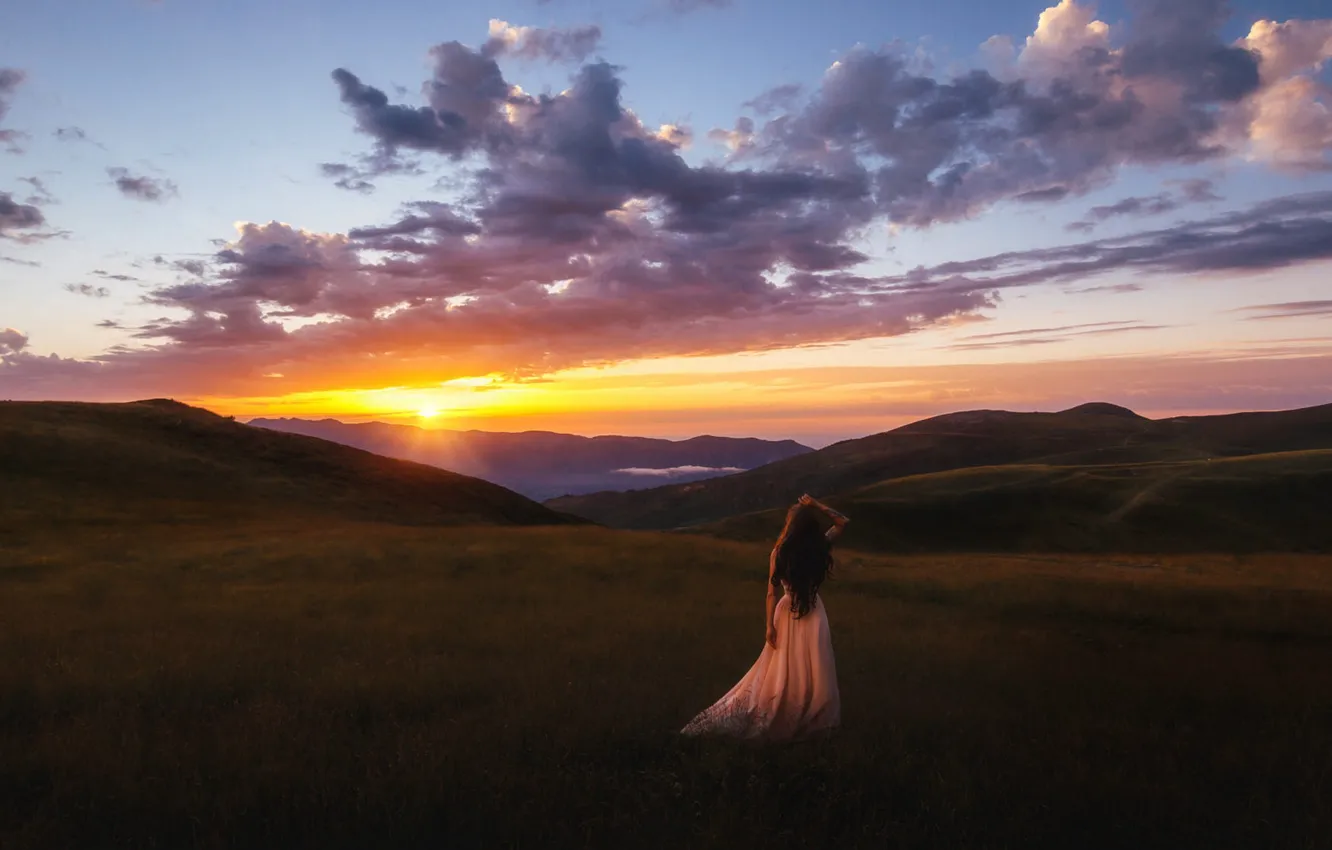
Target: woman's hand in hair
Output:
[{"x": 806, "y": 499}]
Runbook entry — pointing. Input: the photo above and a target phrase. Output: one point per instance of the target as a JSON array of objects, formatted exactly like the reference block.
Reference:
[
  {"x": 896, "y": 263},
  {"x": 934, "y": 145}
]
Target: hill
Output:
[
  {"x": 542, "y": 464},
  {"x": 1094, "y": 434},
  {"x": 1271, "y": 502},
  {"x": 161, "y": 459}
]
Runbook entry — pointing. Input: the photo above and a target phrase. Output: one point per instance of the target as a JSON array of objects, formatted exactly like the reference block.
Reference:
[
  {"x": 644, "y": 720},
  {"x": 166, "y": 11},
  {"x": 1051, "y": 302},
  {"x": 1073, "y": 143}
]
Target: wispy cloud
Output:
[
  {"x": 40, "y": 193},
  {"x": 10, "y": 80},
  {"x": 1049, "y": 336},
  {"x": 1190, "y": 192},
  {"x": 1289, "y": 310},
  {"x": 140, "y": 187}
]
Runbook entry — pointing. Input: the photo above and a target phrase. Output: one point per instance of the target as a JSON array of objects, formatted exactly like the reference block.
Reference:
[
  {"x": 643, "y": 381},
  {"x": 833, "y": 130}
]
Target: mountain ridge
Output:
[
  {"x": 542, "y": 464},
  {"x": 1077, "y": 436},
  {"x": 159, "y": 458}
]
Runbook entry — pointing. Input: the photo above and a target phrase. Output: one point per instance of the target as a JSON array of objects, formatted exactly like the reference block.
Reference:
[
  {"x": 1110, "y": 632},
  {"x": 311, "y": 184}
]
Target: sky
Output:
[{"x": 667, "y": 217}]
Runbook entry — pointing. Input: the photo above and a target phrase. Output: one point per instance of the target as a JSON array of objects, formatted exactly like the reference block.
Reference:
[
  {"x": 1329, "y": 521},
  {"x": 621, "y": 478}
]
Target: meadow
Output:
[{"x": 294, "y": 683}]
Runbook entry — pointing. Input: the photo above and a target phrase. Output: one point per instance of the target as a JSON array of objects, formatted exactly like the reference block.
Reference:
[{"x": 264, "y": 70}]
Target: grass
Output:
[
  {"x": 288, "y": 684},
  {"x": 1270, "y": 502},
  {"x": 128, "y": 462}
]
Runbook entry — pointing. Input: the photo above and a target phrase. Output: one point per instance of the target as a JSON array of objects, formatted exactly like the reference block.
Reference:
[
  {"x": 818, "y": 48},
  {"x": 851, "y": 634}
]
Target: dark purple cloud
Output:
[
  {"x": 142, "y": 188},
  {"x": 1070, "y": 110},
  {"x": 1269, "y": 235},
  {"x": 19, "y": 222},
  {"x": 464, "y": 111}
]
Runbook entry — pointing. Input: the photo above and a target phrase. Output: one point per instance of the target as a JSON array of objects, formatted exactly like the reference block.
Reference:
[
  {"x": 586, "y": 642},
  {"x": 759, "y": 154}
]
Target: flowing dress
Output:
[{"x": 790, "y": 692}]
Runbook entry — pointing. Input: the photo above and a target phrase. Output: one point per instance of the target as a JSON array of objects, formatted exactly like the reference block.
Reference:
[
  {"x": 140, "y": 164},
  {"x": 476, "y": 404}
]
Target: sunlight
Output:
[{"x": 427, "y": 413}]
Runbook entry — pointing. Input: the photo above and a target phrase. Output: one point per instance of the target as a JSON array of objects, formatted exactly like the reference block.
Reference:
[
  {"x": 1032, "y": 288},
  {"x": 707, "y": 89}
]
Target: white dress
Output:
[{"x": 790, "y": 692}]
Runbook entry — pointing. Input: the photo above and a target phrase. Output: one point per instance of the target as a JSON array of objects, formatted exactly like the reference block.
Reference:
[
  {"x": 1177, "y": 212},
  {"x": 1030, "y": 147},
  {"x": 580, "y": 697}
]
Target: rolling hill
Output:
[
  {"x": 162, "y": 460},
  {"x": 1268, "y": 502},
  {"x": 1094, "y": 434},
  {"x": 542, "y": 464}
]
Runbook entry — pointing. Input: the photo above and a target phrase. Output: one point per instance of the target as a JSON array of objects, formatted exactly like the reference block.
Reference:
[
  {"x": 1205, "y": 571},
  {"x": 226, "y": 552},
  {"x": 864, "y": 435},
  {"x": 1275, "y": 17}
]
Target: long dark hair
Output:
[{"x": 804, "y": 557}]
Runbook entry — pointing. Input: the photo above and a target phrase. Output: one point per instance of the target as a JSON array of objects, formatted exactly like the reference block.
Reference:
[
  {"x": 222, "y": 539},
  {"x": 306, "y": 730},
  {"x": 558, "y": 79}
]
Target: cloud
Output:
[
  {"x": 193, "y": 267},
  {"x": 40, "y": 194},
  {"x": 12, "y": 341},
  {"x": 19, "y": 222},
  {"x": 1288, "y": 121},
  {"x": 1269, "y": 235},
  {"x": 142, "y": 188},
  {"x": 10, "y": 80},
  {"x": 552, "y": 45},
  {"x": 347, "y": 177},
  {"x": 580, "y": 236},
  {"x": 32, "y": 264},
  {"x": 1290, "y": 310},
  {"x": 1049, "y": 336},
  {"x": 87, "y": 289},
  {"x": 1060, "y": 114},
  {"x": 1190, "y": 191},
  {"x": 1117, "y": 288},
  {"x": 123, "y": 278},
  {"x": 739, "y": 139}
]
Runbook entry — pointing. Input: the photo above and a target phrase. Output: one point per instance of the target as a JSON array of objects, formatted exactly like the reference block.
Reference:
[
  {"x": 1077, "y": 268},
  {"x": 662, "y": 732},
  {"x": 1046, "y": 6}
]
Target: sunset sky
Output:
[{"x": 666, "y": 217}]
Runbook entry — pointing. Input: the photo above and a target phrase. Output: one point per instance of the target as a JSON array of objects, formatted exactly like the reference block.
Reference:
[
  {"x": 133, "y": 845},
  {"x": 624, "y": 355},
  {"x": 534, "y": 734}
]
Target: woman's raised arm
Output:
[{"x": 839, "y": 520}]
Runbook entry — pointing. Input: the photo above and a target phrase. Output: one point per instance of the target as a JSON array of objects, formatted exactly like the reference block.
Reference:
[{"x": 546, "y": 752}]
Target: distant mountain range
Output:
[
  {"x": 542, "y": 464},
  {"x": 162, "y": 461},
  {"x": 1096, "y": 477}
]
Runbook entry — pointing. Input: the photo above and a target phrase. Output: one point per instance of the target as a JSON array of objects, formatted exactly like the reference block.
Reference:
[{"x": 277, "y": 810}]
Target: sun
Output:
[{"x": 427, "y": 413}]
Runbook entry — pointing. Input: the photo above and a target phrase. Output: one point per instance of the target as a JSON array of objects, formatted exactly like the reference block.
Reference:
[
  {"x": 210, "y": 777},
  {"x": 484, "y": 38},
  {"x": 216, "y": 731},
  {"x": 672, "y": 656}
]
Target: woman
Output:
[{"x": 791, "y": 691}]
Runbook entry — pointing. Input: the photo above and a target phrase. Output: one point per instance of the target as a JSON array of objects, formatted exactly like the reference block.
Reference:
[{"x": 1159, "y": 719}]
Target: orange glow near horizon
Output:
[{"x": 814, "y": 403}]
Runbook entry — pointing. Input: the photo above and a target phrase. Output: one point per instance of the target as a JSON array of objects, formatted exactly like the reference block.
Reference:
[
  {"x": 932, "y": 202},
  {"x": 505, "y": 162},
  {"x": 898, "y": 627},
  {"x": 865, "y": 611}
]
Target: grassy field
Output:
[
  {"x": 1257, "y": 503},
  {"x": 354, "y": 685}
]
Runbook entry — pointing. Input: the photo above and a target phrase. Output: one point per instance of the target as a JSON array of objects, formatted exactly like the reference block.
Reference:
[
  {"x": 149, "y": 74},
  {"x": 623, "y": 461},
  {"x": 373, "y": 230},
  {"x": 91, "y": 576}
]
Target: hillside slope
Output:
[
  {"x": 164, "y": 460},
  {"x": 1270, "y": 502},
  {"x": 542, "y": 464},
  {"x": 1089, "y": 434}
]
